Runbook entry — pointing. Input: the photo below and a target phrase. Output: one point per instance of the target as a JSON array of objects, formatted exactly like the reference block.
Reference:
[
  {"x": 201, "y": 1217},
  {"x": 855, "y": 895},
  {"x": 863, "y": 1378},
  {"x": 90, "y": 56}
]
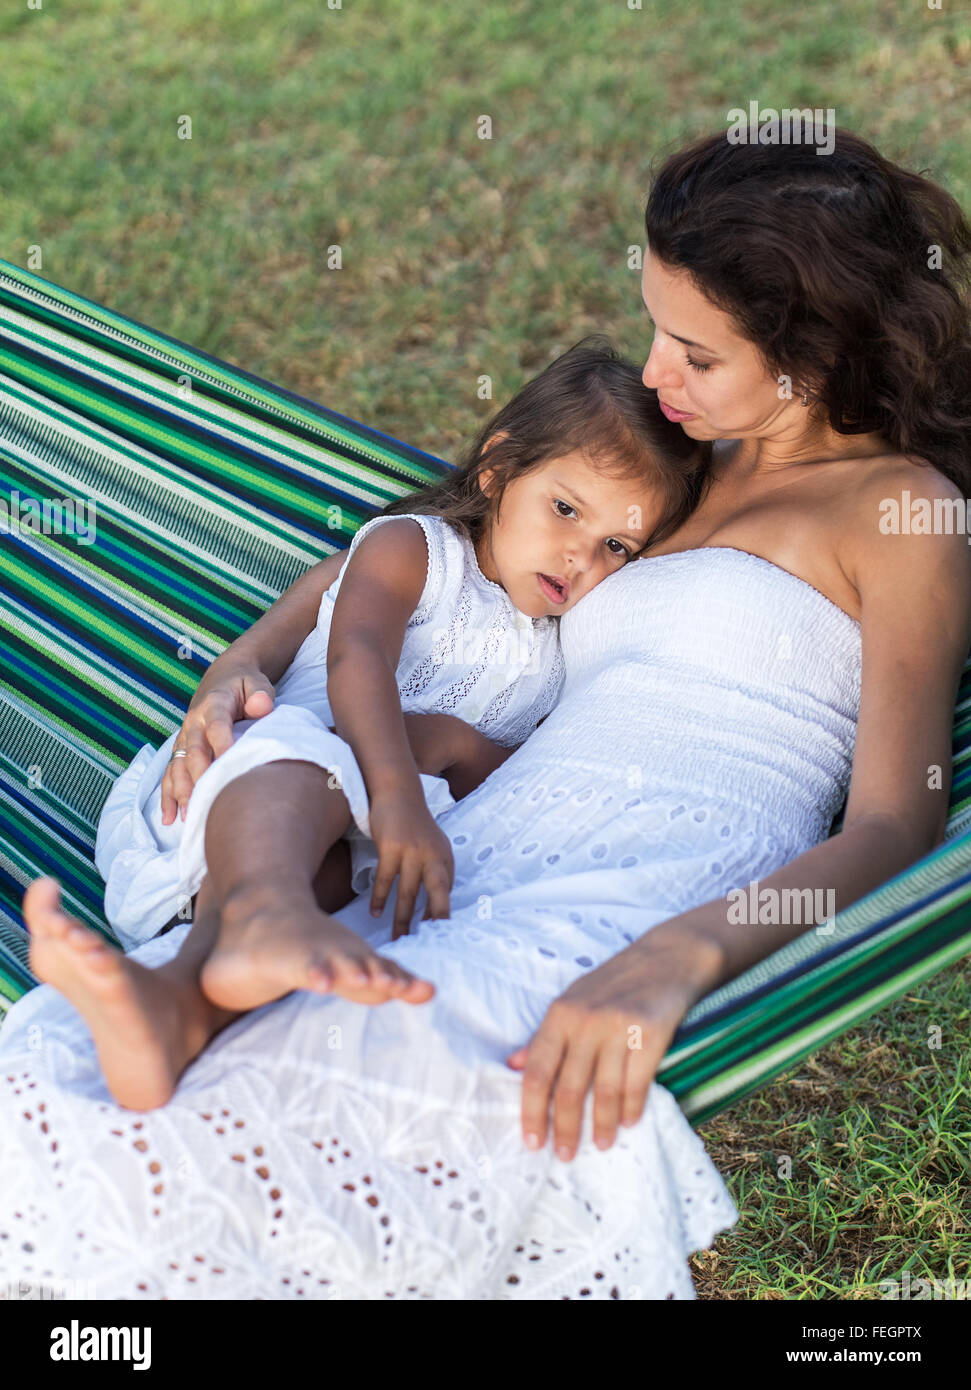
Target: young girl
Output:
[{"x": 448, "y": 602}]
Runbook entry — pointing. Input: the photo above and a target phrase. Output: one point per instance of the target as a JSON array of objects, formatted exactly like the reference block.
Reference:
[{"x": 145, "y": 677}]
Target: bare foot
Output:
[
  {"x": 270, "y": 944},
  {"x": 139, "y": 1028}
]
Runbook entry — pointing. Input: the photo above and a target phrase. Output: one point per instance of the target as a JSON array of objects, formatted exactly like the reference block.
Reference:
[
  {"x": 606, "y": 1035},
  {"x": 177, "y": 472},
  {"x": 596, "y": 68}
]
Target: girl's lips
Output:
[
  {"x": 554, "y": 594},
  {"x": 672, "y": 414}
]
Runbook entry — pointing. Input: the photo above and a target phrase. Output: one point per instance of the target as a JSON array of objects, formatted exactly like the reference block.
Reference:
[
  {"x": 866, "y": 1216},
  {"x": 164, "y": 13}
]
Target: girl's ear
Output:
[{"x": 487, "y": 476}]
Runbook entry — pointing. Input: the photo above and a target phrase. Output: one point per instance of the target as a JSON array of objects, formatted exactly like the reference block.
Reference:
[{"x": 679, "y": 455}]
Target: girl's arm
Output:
[
  {"x": 239, "y": 683},
  {"x": 378, "y": 595},
  {"x": 612, "y": 1027}
]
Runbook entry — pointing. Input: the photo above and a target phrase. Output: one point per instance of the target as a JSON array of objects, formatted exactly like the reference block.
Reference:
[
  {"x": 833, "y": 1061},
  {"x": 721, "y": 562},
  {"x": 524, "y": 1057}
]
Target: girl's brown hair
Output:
[
  {"x": 848, "y": 273},
  {"x": 590, "y": 399}
]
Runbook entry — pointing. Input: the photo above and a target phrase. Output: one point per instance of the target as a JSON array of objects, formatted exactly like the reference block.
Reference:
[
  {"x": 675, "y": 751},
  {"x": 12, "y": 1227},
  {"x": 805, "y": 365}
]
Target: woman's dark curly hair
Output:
[
  {"x": 827, "y": 264},
  {"x": 589, "y": 399}
]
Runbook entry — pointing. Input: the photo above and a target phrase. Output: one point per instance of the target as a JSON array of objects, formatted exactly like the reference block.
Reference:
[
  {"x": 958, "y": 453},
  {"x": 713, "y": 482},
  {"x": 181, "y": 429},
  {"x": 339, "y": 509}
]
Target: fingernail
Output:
[
  {"x": 563, "y": 1152},
  {"x": 602, "y": 1143},
  {"x": 532, "y": 1141}
]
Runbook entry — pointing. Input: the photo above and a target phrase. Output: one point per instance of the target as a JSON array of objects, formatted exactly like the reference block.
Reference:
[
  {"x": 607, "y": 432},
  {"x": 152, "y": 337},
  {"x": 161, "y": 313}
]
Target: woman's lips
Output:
[
  {"x": 556, "y": 592},
  {"x": 676, "y": 415}
]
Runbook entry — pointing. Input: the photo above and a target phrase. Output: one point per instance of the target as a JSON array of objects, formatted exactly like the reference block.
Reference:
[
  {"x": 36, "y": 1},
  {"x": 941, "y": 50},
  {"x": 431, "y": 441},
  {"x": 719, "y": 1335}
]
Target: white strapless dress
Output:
[{"x": 324, "y": 1149}]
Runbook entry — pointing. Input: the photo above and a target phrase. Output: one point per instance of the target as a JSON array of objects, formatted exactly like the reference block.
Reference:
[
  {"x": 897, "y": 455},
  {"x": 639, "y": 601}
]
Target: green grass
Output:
[
  {"x": 877, "y": 1127},
  {"x": 465, "y": 257}
]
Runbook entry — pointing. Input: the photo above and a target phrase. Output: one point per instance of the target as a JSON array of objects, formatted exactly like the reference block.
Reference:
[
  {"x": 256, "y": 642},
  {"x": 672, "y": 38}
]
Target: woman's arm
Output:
[
  {"x": 239, "y": 683},
  {"x": 612, "y": 1027}
]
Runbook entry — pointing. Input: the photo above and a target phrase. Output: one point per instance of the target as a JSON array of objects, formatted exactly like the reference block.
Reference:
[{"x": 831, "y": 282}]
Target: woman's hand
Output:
[
  {"x": 233, "y": 693},
  {"x": 412, "y": 848},
  {"x": 610, "y": 1029}
]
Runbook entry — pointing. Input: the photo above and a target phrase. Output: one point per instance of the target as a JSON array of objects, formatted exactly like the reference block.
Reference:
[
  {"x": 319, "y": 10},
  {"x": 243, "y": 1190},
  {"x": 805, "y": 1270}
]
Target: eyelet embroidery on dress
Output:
[
  {"x": 537, "y": 1267},
  {"x": 364, "y": 1198}
]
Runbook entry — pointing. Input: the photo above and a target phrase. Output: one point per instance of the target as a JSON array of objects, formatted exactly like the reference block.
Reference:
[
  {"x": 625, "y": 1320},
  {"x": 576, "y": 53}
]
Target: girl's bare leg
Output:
[
  {"x": 267, "y": 835},
  {"x": 147, "y": 1025}
]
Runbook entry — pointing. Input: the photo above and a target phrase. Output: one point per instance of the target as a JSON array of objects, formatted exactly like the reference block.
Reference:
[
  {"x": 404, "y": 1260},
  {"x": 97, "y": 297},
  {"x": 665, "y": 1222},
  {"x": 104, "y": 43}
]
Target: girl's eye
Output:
[
  {"x": 621, "y": 548},
  {"x": 698, "y": 366},
  {"x": 558, "y": 503}
]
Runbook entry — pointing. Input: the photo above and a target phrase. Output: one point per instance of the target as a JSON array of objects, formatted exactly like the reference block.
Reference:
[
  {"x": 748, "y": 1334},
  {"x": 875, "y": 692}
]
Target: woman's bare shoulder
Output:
[
  {"x": 891, "y": 494},
  {"x": 915, "y": 475},
  {"x": 906, "y": 533}
]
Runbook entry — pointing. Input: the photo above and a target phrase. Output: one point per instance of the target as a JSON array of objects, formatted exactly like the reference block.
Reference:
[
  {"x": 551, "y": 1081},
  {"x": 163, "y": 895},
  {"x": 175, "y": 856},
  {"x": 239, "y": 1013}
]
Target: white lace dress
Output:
[
  {"x": 320, "y": 1148},
  {"x": 467, "y": 651}
]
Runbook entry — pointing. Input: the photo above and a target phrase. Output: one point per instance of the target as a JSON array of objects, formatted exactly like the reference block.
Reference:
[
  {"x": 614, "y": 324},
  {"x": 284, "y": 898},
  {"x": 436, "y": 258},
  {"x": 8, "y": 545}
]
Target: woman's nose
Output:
[{"x": 659, "y": 369}]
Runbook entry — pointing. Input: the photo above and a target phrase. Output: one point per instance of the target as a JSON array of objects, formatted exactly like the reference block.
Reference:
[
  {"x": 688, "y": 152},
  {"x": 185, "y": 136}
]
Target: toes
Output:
[
  {"x": 42, "y": 896},
  {"x": 348, "y": 973},
  {"x": 375, "y": 971},
  {"x": 102, "y": 958},
  {"x": 42, "y": 909},
  {"x": 82, "y": 939},
  {"x": 418, "y": 991}
]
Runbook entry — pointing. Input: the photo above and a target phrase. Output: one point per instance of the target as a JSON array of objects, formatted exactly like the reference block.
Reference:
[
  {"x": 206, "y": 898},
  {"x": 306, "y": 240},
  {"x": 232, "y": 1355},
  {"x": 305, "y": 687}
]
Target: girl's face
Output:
[
  {"x": 708, "y": 378},
  {"x": 562, "y": 528}
]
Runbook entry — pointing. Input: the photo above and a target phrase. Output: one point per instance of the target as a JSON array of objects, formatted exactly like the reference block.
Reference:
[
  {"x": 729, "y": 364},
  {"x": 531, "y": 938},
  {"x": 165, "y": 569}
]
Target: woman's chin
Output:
[{"x": 696, "y": 428}]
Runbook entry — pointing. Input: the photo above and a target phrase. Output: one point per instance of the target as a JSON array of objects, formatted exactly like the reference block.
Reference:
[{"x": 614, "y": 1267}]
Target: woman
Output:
[{"x": 719, "y": 693}]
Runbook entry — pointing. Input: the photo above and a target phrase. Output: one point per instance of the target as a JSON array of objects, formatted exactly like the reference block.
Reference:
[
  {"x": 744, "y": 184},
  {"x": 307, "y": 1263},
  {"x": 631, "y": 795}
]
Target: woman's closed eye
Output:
[{"x": 698, "y": 366}]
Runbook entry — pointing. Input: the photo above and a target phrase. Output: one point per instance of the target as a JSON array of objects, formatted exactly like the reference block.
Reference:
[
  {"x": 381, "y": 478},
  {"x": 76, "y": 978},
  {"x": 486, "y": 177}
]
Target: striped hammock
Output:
[{"x": 214, "y": 490}]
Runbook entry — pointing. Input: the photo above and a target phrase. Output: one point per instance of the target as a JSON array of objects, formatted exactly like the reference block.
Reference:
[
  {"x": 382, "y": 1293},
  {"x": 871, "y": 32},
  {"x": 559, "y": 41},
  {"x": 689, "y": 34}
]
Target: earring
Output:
[{"x": 805, "y": 399}]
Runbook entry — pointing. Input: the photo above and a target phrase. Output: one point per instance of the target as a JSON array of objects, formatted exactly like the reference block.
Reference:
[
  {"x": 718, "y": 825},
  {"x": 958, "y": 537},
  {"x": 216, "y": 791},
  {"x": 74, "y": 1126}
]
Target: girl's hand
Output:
[
  {"x": 410, "y": 845},
  {"x": 241, "y": 692},
  {"x": 609, "y": 1030}
]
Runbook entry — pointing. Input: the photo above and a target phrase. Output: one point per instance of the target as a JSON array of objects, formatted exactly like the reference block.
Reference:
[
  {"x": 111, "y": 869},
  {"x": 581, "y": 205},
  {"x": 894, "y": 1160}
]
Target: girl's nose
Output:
[{"x": 581, "y": 557}]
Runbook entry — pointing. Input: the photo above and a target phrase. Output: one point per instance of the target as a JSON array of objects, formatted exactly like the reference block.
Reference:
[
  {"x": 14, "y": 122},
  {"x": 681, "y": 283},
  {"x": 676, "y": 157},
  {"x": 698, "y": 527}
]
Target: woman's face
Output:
[{"x": 713, "y": 381}]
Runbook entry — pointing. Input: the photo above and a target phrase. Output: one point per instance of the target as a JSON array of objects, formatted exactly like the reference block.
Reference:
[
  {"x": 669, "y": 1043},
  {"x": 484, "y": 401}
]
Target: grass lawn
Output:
[{"x": 358, "y": 128}]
